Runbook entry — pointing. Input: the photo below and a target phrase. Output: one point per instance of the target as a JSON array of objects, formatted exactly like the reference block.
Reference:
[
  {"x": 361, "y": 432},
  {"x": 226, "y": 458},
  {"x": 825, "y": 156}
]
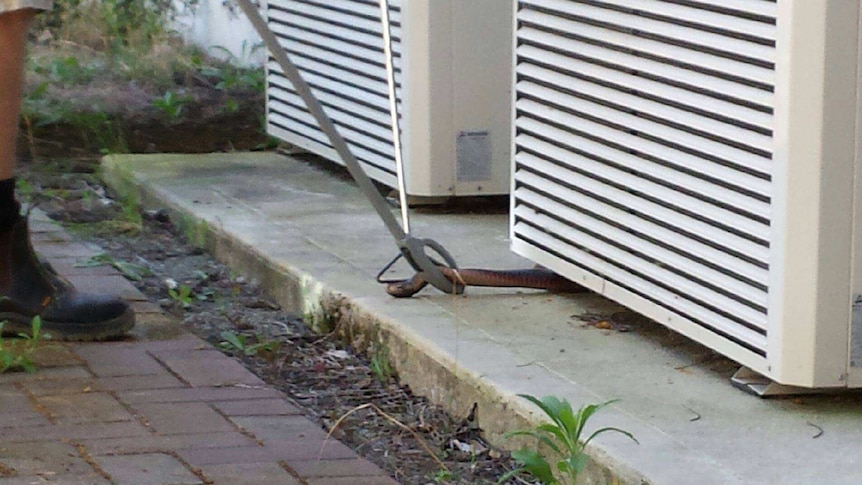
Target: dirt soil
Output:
[{"x": 414, "y": 440}]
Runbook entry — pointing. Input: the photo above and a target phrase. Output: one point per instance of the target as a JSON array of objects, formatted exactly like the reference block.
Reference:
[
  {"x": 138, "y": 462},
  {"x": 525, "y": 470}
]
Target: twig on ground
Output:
[
  {"x": 696, "y": 414},
  {"x": 393, "y": 421},
  {"x": 818, "y": 428}
]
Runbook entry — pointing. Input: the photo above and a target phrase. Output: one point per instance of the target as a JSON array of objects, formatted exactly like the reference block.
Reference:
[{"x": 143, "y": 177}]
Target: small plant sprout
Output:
[
  {"x": 443, "y": 476},
  {"x": 562, "y": 437},
  {"x": 181, "y": 294},
  {"x": 380, "y": 366},
  {"x": 171, "y": 104},
  {"x": 18, "y": 357},
  {"x": 233, "y": 342}
]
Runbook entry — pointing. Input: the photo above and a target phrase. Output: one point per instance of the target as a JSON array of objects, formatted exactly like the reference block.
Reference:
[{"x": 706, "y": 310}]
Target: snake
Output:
[{"x": 539, "y": 278}]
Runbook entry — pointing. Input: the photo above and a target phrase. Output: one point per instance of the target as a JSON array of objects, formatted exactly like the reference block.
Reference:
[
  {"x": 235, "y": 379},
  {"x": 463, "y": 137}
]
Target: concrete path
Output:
[
  {"x": 315, "y": 241},
  {"x": 164, "y": 408}
]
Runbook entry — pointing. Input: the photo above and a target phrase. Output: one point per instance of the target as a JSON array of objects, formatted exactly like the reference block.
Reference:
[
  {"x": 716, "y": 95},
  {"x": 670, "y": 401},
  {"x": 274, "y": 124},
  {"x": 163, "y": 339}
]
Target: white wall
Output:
[{"x": 211, "y": 24}]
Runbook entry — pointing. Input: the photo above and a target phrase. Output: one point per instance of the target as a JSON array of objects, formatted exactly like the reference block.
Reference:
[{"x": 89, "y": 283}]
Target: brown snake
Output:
[{"x": 539, "y": 278}]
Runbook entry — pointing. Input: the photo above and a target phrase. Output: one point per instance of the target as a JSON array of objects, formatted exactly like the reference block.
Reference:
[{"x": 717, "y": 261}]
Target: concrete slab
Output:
[{"x": 313, "y": 239}]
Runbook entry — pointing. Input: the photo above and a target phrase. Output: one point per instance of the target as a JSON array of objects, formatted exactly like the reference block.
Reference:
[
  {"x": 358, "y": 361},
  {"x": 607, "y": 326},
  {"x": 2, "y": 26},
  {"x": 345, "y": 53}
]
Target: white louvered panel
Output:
[
  {"x": 624, "y": 41},
  {"x": 701, "y": 18},
  {"x": 687, "y": 228},
  {"x": 630, "y": 60},
  {"x": 338, "y": 48},
  {"x": 360, "y": 8},
  {"x": 331, "y": 44},
  {"x": 669, "y": 268},
  {"x": 291, "y": 120},
  {"x": 338, "y": 107},
  {"x": 333, "y": 101},
  {"x": 664, "y": 143},
  {"x": 762, "y": 9},
  {"x": 353, "y": 26},
  {"x": 598, "y": 134},
  {"x": 562, "y": 243},
  {"x": 339, "y": 60},
  {"x": 631, "y": 82},
  {"x": 751, "y": 275},
  {"x": 630, "y": 21},
  {"x": 335, "y": 92},
  {"x": 619, "y": 175},
  {"x": 295, "y": 122},
  {"x": 292, "y": 20},
  {"x": 341, "y": 118},
  {"x": 350, "y": 133},
  {"x": 706, "y": 127},
  {"x": 643, "y": 150},
  {"x": 370, "y": 85}
]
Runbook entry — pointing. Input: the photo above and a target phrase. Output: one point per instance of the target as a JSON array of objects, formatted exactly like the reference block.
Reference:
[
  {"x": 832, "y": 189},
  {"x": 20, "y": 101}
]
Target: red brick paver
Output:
[{"x": 138, "y": 412}]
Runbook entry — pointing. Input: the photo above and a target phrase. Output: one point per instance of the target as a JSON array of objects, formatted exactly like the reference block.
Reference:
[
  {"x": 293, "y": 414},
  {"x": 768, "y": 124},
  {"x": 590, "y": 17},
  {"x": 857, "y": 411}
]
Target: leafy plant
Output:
[
  {"x": 443, "y": 476},
  {"x": 131, "y": 209},
  {"x": 171, "y": 104},
  {"x": 231, "y": 75},
  {"x": 380, "y": 366},
  {"x": 19, "y": 357},
  {"x": 562, "y": 436},
  {"x": 182, "y": 295},
  {"x": 66, "y": 70},
  {"x": 99, "y": 130},
  {"x": 239, "y": 343},
  {"x": 23, "y": 188},
  {"x": 230, "y": 106}
]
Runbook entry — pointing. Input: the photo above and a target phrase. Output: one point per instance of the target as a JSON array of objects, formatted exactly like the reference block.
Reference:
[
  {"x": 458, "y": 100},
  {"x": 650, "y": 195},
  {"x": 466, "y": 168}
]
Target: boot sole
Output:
[{"x": 70, "y": 332}]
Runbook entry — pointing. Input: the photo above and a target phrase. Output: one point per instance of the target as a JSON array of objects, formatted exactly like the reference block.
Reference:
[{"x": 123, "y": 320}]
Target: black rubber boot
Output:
[{"x": 29, "y": 288}]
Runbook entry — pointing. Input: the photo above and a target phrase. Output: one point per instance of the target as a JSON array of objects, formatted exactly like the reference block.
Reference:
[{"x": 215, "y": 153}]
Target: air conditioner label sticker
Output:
[
  {"x": 474, "y": 156},
  {"x": 856, "y": 332}
]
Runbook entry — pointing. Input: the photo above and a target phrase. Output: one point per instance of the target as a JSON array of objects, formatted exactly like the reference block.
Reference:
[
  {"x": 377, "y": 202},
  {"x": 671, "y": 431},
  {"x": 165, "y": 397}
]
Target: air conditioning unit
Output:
[
  {"x": 696, "y": 161},
  {"x": 453, "y": 72}
]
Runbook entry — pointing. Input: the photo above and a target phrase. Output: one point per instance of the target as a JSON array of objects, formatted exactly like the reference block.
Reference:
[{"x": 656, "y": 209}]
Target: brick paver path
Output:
[{"x": 163, "y": 408}]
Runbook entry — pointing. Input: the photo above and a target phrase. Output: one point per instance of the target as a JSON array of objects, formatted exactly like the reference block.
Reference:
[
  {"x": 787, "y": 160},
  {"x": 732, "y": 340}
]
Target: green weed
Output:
[
  {"x": 67, "y": 69},
  {"x": 131, "y": 209},
  {"x": 562, "y": 436},
  {"x": 18, "y": 356},
  {"x": 380, "y": 365},
  {"x": 182, "y": 295},
  {"x": 128, "y": 222},
  {"x": 172, "y": 104},
  {"x": 443, "y": 476},
  {"x": 23, "y": 188},
  {"x": 233, "y": 342},
  {"x": 231, "y": 74},
  {"x": 99, "y": 130}
]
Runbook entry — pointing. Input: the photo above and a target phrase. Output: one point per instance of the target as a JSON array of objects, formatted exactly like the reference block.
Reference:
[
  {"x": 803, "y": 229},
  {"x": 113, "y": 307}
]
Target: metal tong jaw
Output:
[{"x": 413, "y": 251}]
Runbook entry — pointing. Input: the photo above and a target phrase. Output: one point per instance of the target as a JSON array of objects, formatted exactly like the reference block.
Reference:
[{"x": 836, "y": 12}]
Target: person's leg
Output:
[
  {"x": 27, "y": 286},
  {"x": 13, "y": 36}
]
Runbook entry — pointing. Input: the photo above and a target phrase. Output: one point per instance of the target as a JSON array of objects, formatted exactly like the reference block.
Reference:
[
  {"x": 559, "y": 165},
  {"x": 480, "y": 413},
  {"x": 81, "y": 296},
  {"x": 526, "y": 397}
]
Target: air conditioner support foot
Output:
[{"x": 754, "y": 383}]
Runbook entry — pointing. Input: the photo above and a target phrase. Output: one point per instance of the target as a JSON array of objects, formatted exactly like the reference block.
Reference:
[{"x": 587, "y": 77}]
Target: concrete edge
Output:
[{"x": 420, "y": 364}]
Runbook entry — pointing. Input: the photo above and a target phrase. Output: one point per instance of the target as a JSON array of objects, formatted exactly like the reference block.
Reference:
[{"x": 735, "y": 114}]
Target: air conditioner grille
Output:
[
  {"x": 644, "y": 150},
  {"x": 338, "y": 47}
]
